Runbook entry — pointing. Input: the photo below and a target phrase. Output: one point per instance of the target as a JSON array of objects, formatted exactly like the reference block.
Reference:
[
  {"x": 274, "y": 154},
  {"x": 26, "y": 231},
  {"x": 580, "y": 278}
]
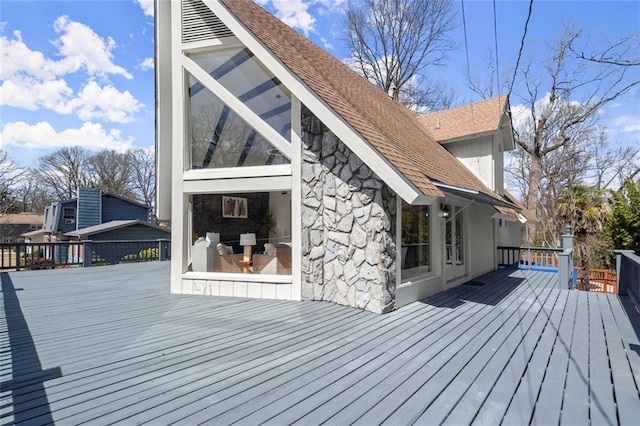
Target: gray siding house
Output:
[{"x": 90, "y": 208}]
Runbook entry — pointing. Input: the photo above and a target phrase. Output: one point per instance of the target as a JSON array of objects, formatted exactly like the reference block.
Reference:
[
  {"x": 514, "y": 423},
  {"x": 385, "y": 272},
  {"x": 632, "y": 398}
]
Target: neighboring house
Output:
[
  {"x": 142, "y": 234},
  {"x": 13, "y": 225},
  {"x": 270, "y": 146},
  {"x": 91, "y": 207},
  {"x": 121, "y": 230}
]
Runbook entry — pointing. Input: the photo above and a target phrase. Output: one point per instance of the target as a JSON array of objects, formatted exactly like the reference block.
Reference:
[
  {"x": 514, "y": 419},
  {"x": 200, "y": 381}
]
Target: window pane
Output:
[
  {"x": 415, "y": 237},
  {"x": 265, "y": 216},
  {"x": 220, "y": 138},
  {"x": 248, "y": 80},
  {"x": 459, "y": 237}
]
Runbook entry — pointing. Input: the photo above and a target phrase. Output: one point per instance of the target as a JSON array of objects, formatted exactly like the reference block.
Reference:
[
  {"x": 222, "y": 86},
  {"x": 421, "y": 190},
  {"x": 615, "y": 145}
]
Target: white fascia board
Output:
[
  {"x": 466, "y": 138},
  {"x": 237, "y": 106},
  {"x": 222, "y": 186},
  {"x": 349, "y": 136},
  {"x": 424, "y": 200},
  {"x": 296, "y": 198},
  {"x": 163, "y": 149},
  {"x": 455, "y": 188},
  {"x": 238, "y": 172}
]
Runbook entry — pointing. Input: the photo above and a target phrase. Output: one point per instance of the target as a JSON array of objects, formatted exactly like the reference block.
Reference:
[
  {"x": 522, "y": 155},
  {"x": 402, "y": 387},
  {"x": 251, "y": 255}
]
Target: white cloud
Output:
[
  {"x": 92, "y": 101},
  {"x": 326, "y": 43},
  {"x": 81, "y": 48},
  {"x": 32, "y": 81},
  {"x": 147, "y": 64},
  {"x": 146, "y": 6},
  {"x": 31, "y": 94},
  {"x": 627, "y": 123},
  {"x": 42, "y": 135},
  {"x": 297, "y": 14},
  {"x": 78, "y": 45},
  {"x": 105, "y": 103},
  {"x": 17, "y": 59}
]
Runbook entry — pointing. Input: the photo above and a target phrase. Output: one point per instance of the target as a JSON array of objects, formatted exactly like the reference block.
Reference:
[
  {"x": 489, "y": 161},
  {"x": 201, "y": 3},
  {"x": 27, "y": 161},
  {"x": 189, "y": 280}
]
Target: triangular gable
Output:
[
  {"x": 473, "y": 119},
  {"x": 384, "y": 134}
]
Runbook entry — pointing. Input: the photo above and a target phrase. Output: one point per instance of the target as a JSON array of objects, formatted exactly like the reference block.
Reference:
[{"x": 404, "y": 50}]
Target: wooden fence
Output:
[{"x": 600, "y": 281}]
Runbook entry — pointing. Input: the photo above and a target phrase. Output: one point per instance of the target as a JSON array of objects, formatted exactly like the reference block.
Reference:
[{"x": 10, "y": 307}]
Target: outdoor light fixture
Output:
[
  {"x": 444, "y": 211},
  {"x": 247, "y": 241}
]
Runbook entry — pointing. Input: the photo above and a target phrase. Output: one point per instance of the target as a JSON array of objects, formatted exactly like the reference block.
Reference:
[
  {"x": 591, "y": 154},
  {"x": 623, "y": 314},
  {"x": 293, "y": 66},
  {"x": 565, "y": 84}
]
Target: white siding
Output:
[
  {"x": 481, "y": 246},
  {"x": 478, "y": 156},
  {"x": 509, "y": 234}
]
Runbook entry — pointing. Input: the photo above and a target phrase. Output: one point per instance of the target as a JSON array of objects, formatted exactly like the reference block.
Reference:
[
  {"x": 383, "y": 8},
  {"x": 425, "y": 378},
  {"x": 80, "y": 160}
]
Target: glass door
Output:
[{"x": 454, "y": 240}]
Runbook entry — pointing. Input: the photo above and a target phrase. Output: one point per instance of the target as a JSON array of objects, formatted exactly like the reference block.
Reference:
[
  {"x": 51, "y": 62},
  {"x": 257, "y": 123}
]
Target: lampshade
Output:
[
  {"x": 213, "y": 237},
  {"x": 247, "y": 239}
]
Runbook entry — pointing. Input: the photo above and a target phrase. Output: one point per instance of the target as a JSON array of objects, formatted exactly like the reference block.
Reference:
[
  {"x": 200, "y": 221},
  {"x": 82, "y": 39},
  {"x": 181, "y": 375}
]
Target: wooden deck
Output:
[{"x": 111, "y": 345}]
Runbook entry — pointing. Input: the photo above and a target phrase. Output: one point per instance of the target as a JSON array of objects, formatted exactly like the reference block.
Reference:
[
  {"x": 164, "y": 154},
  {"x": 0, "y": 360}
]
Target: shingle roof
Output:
[
  {"x": 530, "y": 216},
  {"x": 466, "y": 120},
  {"x": 390, "y": 128},
  {"x": 110, "y": 226},
  {"x": 22, "y": 219}
]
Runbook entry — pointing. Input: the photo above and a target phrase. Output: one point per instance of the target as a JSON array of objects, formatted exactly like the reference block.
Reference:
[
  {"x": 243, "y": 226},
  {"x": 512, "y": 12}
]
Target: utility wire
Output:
[
  {"x": 524, "y": 35},
  {"x": 495, "y": 37},
  {"x": 466, "y": 44},
  {"x": 466, "y": 48}
]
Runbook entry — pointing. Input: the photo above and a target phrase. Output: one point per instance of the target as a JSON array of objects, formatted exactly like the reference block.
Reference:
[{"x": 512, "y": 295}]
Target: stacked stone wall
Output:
[{"x": 348, "y": 225}]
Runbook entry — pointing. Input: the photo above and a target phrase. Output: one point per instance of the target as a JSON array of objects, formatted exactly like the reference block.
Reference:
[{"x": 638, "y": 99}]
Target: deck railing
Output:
[
  {"x": 66, "y": 254},
  {"x": 538, "y": 258},
  {"x": 600, "y": 280},
  {"x": 628, "y": 269}
]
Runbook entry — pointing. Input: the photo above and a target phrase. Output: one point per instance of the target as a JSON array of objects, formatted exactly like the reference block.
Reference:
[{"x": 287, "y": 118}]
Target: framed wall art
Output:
[{"x": 234, "y": 207}]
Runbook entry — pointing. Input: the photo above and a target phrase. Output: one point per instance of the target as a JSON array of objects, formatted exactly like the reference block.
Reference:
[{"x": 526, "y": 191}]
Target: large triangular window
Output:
[{"x": 220, "y": 138}]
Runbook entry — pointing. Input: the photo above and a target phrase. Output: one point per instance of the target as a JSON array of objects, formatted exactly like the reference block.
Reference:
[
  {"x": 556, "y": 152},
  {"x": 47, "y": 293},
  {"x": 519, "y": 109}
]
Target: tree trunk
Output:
[
  {"x": 535, "y": 175},
  {"x": 582, "y": 252}
]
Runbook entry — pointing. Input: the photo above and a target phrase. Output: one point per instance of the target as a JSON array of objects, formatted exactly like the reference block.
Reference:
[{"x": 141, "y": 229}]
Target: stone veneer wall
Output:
[{"x": 348, "y": 225}]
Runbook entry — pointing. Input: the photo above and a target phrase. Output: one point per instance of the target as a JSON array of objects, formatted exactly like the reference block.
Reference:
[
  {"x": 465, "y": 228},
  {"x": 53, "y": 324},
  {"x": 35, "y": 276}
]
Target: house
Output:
[
  {"x": 121, "y": 230},
  {"x": 90, "y": 208},
  {"x": 13, "y": 225},
  {"x": 298, "y": 179}
]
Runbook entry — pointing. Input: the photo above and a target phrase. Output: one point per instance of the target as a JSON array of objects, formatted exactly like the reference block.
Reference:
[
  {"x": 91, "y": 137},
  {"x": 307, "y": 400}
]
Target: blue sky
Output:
[{"x": 81, "y": 72}]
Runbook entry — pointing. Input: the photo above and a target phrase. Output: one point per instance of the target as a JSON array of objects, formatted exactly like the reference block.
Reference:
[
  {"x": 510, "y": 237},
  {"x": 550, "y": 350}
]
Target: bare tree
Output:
[
  {"x": 623, "y": 53},
  {"x": 563, "y": 110},
  {"x": 10, "y": 174},
  {"x": 64, "y": 171},
  {"x": 33, "y": 195},
  {"x": 111, "y": 172},
  {"x": 394, "y": 41},
  {"x": 142, "y": 175}
]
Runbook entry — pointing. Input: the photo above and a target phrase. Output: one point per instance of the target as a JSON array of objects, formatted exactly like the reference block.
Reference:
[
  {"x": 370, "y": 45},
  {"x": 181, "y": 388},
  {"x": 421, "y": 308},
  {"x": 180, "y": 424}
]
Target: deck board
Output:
[{"x": 111, "y": 345}]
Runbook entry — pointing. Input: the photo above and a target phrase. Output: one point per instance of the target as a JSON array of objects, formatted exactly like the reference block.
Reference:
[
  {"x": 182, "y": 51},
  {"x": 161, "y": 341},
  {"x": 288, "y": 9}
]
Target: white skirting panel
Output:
[{"x": 253, "y": 290}]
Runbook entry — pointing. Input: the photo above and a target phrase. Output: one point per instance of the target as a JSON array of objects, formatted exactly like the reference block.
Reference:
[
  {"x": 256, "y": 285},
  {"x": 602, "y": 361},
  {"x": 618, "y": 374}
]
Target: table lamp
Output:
[{"x": 247, "y": 241}]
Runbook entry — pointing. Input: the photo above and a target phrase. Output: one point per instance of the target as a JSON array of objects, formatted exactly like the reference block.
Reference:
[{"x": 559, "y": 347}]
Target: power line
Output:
[
  {"x": 524, "y": 35},
  {"x": 466, "y": 45},
  {"x": 466, "y": 48},
  {"x": 495, "y": 37}
]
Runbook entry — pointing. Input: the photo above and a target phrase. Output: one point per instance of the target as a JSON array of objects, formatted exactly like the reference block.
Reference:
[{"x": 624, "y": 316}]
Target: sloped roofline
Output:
[
  {"x": 472, "y": 119},
  {"x": 317, "y": 104},
  {"x": 390, "y": 155},
  {"x": 111, "y": 226}
]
